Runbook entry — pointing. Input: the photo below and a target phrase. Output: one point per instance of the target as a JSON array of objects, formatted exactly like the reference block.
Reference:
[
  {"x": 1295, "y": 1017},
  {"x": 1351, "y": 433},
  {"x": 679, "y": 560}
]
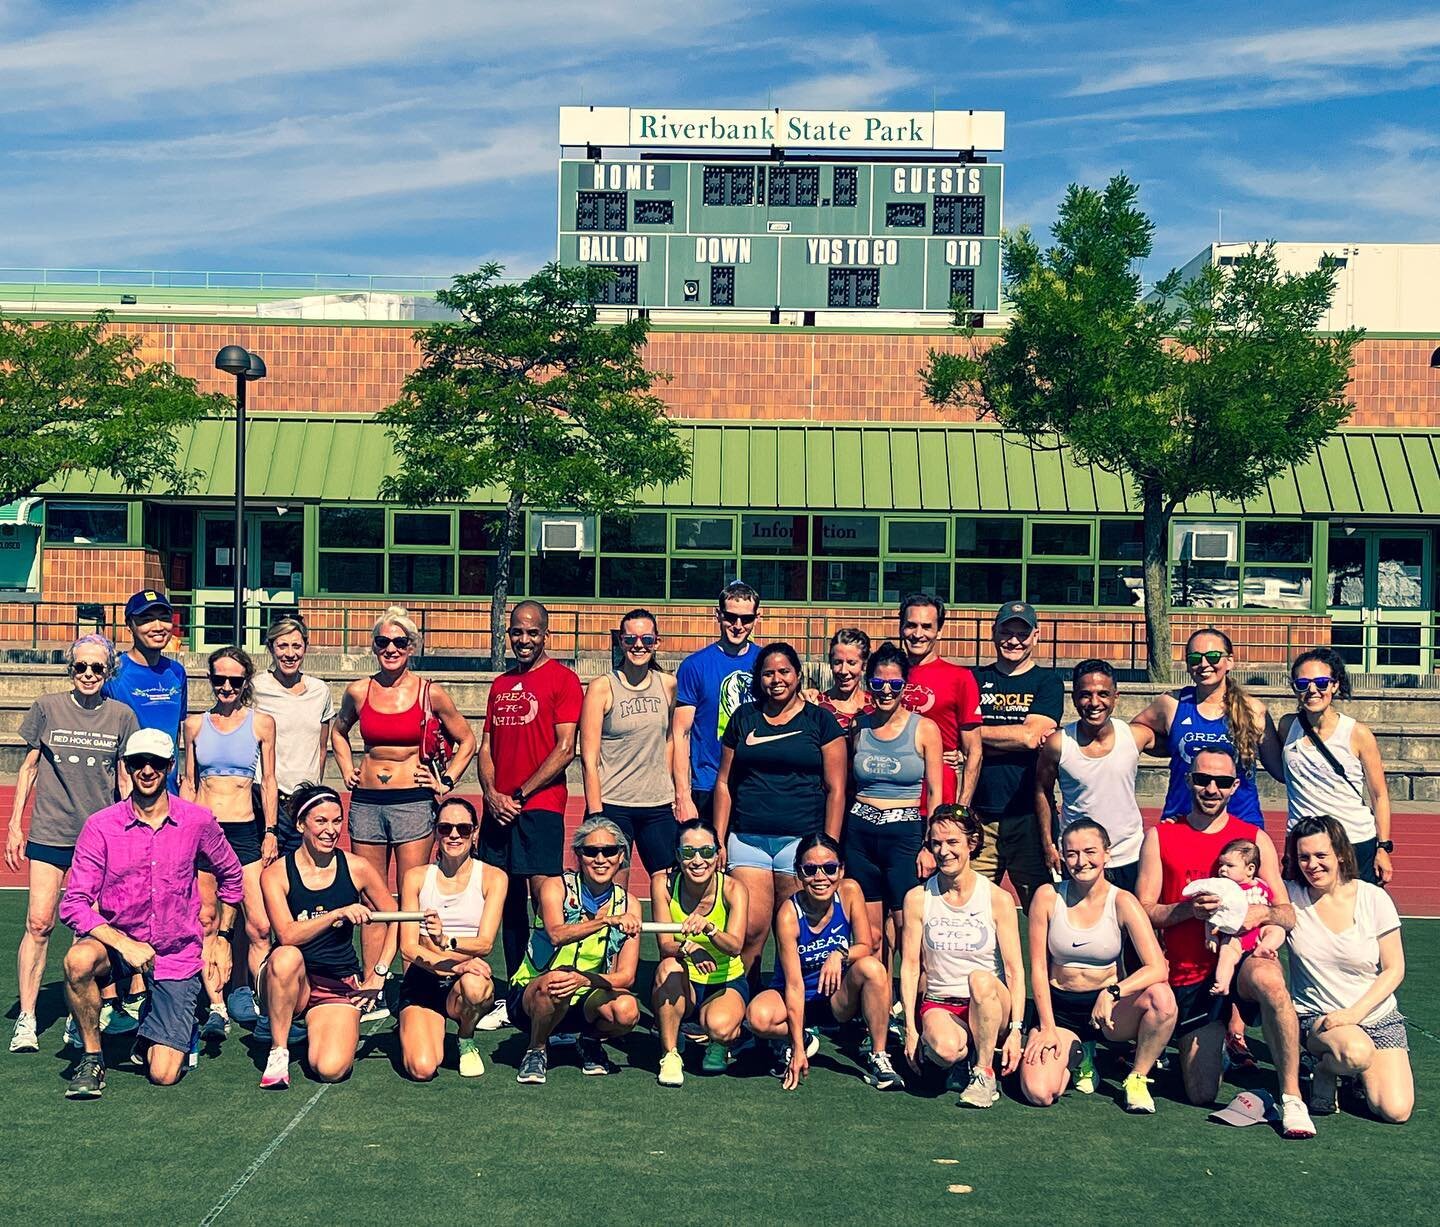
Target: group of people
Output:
[{"x": 870, "y": 819}]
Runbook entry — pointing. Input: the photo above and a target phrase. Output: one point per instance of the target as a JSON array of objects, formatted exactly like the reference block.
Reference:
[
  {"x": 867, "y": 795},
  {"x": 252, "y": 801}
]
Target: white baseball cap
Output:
[
  {"x": 1248, "y": 1108},
  {"x": 149, "y": 741}
]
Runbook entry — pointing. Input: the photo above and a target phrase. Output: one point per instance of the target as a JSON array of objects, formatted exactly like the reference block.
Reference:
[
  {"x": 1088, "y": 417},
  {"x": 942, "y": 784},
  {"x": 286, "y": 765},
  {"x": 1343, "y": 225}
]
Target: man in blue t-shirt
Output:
[
  {"x": 149, "y": 683},
  {"x": 709, "y": 685}
]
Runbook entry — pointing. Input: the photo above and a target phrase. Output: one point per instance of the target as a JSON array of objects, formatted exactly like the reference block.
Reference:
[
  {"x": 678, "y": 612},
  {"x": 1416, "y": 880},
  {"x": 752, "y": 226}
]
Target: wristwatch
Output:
[
  {"x": 269, "y": 830},
  {"x": 518, "y": 796},
  {"x": 227, "y": 934},
  {"x": 446, "y": 780},
  {"x": 454, "y": 943},
  {"x": 1385, "y": 845},
  {"x": 1114, "y": 991}
]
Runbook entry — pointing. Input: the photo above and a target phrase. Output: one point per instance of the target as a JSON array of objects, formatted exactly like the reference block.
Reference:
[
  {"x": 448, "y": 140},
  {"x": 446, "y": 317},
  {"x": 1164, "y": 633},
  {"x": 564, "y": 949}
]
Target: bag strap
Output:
[
  {"x": 425, "y": 699},
  {"x": 1327, "y": 753}
]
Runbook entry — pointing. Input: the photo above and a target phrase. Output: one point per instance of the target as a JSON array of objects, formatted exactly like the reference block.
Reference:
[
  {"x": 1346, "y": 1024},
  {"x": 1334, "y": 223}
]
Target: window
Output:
[
  {"x": 699, "y": 579},
  {"x": 478, "y": 574},
  {"x": 654, "y": 212},
  {"x": 915, "y": 537},
  {"x": 1255, "y": 564},
  {"x": 729, "y": 185},
  {"x": 845, "y": 581},
  {"x": 633, "y": 579},
  {"x": 352, "y": 528},
  {"x": 623, "y": 289},
  {"x": 854, "y": 287},
  {"x": 989, "y": 538},
  {"x": 1277, "y": 541},
  {"x": 1276, "y": 587},
  {"x": 1345, "y": 582},
  {"x": 481, "y": 530},
  {"x": 774, "y": 534},
  {"x": 986, "y": 585},
  {"x": 722, "y": 285},
  {"x": 959, "y": 215},
  {"x": 705, "y": 533},
  {"x": 905, "y": 577},
  {"x": 641, "y": 533},
  {"x": 352, "y": 573},
  {"x": 838, "y": 535},
  {"x": 1060, "y": 584},
  {"x": 86, "y": 523},
  {"x": 776, "y": 580},
  {"x": 1121, "y": 586},
  {"x": 1122, "y": 539},
  {"x": 420, "y": 528},
  {"x": 962, "y": 287},
  {"x": 846, "y": 192},
  {"x": 600, "y": 211},
  {"x": 905, "y": 213},
  {"x": 794, "y": 187},
  {"x": 1205, "y": 585},
  {"x": 557, "y": 574},
  {"x": 422, "y": 574},
  {"x": 1061, "y": 539}
]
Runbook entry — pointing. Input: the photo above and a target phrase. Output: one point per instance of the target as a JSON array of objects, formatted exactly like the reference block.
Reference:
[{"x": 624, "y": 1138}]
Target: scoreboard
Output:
[{"x": 786, "y": 232}]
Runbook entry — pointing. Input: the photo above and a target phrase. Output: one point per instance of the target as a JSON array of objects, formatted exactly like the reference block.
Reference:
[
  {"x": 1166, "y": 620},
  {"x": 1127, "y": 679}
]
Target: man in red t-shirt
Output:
[
  {"x": 943, "y": 691},
  {"x": 529, "y": 739},
  {"x": 1185, "y": 850}
]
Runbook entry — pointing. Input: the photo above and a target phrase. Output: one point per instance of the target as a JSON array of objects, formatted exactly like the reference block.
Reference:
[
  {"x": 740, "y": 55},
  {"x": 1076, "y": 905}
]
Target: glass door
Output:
[
  {"x": 1378, "y": 592},
  {"x": 274, "y": 555}
]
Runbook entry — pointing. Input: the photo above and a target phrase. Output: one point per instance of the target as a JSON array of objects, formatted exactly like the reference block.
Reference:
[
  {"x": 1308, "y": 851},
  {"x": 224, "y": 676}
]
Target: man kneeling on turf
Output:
[{"x": 134, "y": 906}]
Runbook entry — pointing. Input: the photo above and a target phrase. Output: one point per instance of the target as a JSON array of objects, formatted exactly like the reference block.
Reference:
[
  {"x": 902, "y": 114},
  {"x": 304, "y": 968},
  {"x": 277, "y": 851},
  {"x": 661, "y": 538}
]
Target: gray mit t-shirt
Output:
[
  {"x": 298, "y": 718},
  {"x": 79, "y": 748}
]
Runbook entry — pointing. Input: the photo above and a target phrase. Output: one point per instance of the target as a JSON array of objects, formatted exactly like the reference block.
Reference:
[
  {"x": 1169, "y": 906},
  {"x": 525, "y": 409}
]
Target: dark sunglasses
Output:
[
  {"x": 1322, "y": 684},
  {"x": 886, "y": 685},
  {"x": 643, "y": 641},
  {"x": 706, "y": 852},
  {"x": 382, "y": 642},
  {"x": 593, "y": 852},
  {"x": 810, "y": 869},
  {"x": 1203, "y": 779},
  {"x": 81, "y": 667},
  {"x": 219, "y": 680},
  {"x": 1214, "y": 656},
  {"x": 462, "y": 829},
  {"x": 737, "y": 619},
  {"x": 139, "y": 762}
]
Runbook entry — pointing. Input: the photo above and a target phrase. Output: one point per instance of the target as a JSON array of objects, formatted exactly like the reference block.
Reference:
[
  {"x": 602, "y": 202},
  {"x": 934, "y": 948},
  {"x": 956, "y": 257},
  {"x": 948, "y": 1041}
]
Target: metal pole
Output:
[{"x": 239, "y": 555}]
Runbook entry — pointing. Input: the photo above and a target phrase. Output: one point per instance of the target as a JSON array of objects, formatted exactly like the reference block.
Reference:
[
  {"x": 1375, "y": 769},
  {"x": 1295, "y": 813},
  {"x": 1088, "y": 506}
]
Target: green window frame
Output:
[
  {"x": 85, "y": 522},
  {"x": 1256, "y": 580}
]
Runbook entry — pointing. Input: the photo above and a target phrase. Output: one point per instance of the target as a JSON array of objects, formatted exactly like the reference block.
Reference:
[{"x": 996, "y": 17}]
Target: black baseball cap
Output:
[{"x": 1017, "y": 611}]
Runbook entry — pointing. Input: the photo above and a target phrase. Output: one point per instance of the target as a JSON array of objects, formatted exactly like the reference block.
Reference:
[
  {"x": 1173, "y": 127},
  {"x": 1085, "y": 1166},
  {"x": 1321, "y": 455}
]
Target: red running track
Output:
[{"x": 1416, "y": 888}]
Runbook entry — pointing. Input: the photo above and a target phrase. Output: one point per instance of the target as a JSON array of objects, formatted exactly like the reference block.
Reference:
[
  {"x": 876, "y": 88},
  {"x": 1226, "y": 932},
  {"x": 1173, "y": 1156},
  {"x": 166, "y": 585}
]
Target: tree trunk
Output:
[
  {"x": 1157, "y": 586},
  {"x": 501, "y": 592}
]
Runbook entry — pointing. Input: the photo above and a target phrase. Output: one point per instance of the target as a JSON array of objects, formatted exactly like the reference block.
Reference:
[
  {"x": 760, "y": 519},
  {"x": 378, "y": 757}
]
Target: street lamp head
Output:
[
  {"x": 234, "y": 360},
  {"x": 256, "y": 369}
]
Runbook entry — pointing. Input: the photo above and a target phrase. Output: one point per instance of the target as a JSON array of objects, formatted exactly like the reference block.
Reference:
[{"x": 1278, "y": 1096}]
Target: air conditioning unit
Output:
[
  {"x": 562, "y": 536},
  {"x": 1211, "y": 545}
]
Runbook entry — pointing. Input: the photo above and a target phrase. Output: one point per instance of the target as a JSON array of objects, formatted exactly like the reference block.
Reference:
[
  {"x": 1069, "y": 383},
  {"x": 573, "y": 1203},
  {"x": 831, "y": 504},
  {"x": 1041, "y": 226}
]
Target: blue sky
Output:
[{"x": 371, "y": 136}]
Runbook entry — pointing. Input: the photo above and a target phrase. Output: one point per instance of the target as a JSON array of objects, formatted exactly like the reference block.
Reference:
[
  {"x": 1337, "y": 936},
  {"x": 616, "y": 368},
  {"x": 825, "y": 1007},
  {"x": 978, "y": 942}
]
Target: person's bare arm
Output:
[
  {"x": 190, "y": 778},
  {"x": 1389, "y": 979},
  {"x": 1047, "y": 771},
  {"x": 1270, "y": 757},
  {"x": 1280, "y": 910},
  {"x": 457, "y": 729},
  {"x": 1364, "y": 746},
  {"x": 1158, "y": 715},
  {"x": 1025, "y": 736},
  {"x": 836, "y": 764},
  {"x": 680, "y": 725},
  {"x": 1153, "y": 969},
  {"x": 1007, "y": 937},
  {"x": 24, "y": 782},
  {"x": 592, "y": 721},
  {"x": 972, "y": 746},
  {"x": 910, "y": 941},
  {"x": 554, "y": 763},
  {"x": 1147, "y": 889},
  {"x": 720, "y": 799}
]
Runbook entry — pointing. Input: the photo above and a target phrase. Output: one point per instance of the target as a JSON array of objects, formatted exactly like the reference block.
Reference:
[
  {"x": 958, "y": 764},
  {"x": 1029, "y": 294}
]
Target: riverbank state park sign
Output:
[{"x": 797, "y": 210}]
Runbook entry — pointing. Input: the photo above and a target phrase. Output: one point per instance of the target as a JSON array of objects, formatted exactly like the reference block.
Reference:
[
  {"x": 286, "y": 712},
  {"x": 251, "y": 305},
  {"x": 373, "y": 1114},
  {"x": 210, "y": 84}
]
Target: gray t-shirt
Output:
[
  {"x": 298, "y": 718},
  {"x": 79, "y": 748}
]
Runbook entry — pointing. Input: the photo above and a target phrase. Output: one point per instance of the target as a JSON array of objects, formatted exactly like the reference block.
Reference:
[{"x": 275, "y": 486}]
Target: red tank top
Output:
[
  {"x": 1187, "y": 855},
  {"x": 390, "y": 728}
]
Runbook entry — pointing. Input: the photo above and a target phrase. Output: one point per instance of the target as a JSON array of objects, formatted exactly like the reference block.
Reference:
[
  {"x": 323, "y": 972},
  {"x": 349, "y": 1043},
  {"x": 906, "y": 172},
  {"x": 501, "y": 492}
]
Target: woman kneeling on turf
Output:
[
  {"x": 315, "y": 896},
  {"x": 447, "y": 975},
  {"x": 1076, "y": 932},
  {"x": 700, "y": 968},
  {"x": 583, "y": 954},
  {"x": 959, "y": 930},
  {"x": 826, "y": 969}
]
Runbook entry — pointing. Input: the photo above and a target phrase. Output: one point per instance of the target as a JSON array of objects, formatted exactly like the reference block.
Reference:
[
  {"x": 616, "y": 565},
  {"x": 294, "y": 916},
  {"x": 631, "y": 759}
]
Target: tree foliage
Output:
[
  {"x": 1207, "y": 386},
  {"x": 528, "y": 394},
  {"x": 78, "y": 396}
]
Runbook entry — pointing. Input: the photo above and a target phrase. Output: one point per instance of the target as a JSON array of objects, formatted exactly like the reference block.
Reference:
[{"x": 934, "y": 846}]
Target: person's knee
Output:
[
  {"x": 984, "y": 987},
  {"x": 1158, "y": 1001},
  {"x": 871, "y": 970},
  {"x": 421, "y": 1067},
  {"x": 476, "y": 986},
  {"x": 723, "y": 1025},
  {"x": 257, "y": 930},
  {"x": 81, "y": 960},
  {"x": 1037, "y": 1093},
  {"x": 209, "y": 917},
  {"x": 285, "y": 962},
  {"x": 1355, "y": 1052},
  {"x": 1266, "y": 984},
  {"x": 163, "y": 1077},
  {"x": 947, "y": 1046},
  {"x": 624, "y": 1011},
  {"x": 1393, "y": 1109},
  {"x": 331, "y": 1067},
  {"x": 38, "y": 926}
]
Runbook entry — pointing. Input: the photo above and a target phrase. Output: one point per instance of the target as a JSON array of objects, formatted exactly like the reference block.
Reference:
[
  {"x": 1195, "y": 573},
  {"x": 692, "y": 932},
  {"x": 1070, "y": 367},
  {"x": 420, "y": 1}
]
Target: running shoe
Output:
[
  {"x": 983, "y": 1091},
  {"x": 193, "y": 1059},
  {"x": 1137, "y": 1094},
  {"x": 532, "y": 1068},
  {"x": 216, "y": 1026},
  {"x": 1324, "y": 1098},
  {"x": 88, "y": 1080},
  {"x": 277, "y": 1071},
  {"x": 958, "y": 1077},
  {"x": 595, "y": 1062},
  {"x": 882, "y": 1075},
  {"x": 72, "y": 1034},
  {"x": 564, "y": 1039},
  {"x": 781, "y": 1064},
  {"x": 812, "y": 1041},
  {"x": 264, "y": 1034},
  {"x": 1237, "y": 1052},
  {"x": 25, "y": 1038},
  {"x": 1085, "y": 1080},
  {"x": 746, "y": 1043},
  {"x": 472, "y": 1065},
  {"x": 1295, "y": 1119},
  {"x": 114, "y": 1020},
  {"x": 672, "y": 1069},
  {"x": 717, "y": 1058},
  {"x": 497, "y": 1018},
  {"x": 242, "y": 1008},
  {"x": 377, "y": 1009}
]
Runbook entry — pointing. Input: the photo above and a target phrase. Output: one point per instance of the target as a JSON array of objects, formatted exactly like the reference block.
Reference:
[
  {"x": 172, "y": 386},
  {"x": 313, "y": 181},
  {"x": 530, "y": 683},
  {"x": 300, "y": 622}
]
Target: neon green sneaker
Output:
[
  {"x": 472, "y": 1065},
  {"x": 1137, "y": 1093},
  {"x": 1085, "y": 1071},
  {"x": 672, "y": 1069}
]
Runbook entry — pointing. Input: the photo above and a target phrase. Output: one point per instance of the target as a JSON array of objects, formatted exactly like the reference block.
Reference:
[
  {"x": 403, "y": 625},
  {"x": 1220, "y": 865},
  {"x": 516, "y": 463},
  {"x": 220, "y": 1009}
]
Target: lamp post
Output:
[{"x": 238, "y": 361}]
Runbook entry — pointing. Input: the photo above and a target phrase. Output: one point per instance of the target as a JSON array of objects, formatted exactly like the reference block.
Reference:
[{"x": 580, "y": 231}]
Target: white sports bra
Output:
[
  {"x": 459, "y": 914},
  {"x": 1072, "y": 946}
]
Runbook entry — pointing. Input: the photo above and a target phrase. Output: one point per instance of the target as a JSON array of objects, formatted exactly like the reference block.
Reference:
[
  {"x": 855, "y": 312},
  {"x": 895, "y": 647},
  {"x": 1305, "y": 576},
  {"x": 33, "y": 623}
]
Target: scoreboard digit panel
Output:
[{"x": 797, "y": 235}]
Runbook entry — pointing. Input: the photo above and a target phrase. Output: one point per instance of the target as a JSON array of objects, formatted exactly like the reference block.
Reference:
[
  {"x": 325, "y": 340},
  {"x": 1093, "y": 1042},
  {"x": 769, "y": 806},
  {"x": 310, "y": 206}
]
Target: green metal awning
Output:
[
  {"x": 23, "y": 511},
  {"x": 962, "y": 467}
]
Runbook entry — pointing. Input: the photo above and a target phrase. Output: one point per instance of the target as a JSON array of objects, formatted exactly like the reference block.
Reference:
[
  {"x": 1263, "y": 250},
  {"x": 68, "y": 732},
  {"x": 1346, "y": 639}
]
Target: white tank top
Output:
[
  {"x": 1072, "y": 946},
  {"x": 459, "y": 914},
  {"x": 1314, "y": 789},
  {"x": 957, "y": 940},
  {"x": 1103, "y": 790}
]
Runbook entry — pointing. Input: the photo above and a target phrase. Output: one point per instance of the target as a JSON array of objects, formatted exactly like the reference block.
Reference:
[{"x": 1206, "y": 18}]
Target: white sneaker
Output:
[
  {"x": 25, "y": 1038},
  {"x": 277, "y": 1071},
  {"x": 72, "y": 1034},
  {"x": 1295, "y": 1119},
  {"x": 495, "y": 1019}
]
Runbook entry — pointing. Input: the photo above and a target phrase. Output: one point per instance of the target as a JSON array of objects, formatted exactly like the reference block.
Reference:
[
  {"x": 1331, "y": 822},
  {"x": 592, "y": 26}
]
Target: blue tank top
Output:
[
  {"x": 889, "y": 770},
  {"x": 816, "y": 945},
  {"x": 1190, "y": 732},
  {"x": 234, "y": 753}
]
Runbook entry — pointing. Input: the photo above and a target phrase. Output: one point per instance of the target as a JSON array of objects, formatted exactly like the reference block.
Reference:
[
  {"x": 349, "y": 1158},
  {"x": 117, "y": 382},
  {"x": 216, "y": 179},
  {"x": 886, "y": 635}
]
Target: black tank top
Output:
[{"x": 333, "y": 952}]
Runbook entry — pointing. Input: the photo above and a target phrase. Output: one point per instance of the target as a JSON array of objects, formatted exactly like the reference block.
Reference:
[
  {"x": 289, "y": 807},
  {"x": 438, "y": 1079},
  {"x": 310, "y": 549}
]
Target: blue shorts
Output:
[
  {"x": 168, "y": 1017},
  {"x": 53, "y": 854},
  {"x": 773, "y": 852},
  {"x": 705, "y": 992}
]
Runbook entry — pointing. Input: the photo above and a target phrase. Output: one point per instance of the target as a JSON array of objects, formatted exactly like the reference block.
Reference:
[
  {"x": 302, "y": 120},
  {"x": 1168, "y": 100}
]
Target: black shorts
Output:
[
  {"x": 1199, "y": 1007},
  {"x": 1072, "y": 1011},
  {"x": 1123, "y": 876},
  {"x": 574, "y": 1019},
  {"x": 1365, "y": 859},
  {"x": 650, "y": 830},
  {"x": 704, "y": 801},
  {"x": 425, "y": 989},
  {"x": 168, "y": 1016},
  {"x": 50, "y": 854},
  {"x": 881, "y": 858},
  {"x": 820, "y": 1012},
  {"x": 244, "y": 837},
  {"x": 287, "y": 834},
  {"x": 534, "y": 844}
]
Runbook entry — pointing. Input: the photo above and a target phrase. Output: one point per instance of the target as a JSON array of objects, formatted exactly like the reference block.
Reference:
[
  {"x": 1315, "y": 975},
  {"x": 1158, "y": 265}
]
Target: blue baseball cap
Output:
[{"x": 148, "y": 599}]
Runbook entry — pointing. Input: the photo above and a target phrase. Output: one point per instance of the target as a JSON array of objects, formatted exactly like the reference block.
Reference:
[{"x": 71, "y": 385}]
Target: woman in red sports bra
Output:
[
  {"x": 393, "y": 787},
  {"x": 847, "y": 697}
]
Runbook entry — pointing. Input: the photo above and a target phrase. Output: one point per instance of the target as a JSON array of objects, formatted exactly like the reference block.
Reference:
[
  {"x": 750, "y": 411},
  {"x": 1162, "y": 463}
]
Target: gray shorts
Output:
[
  {"x": 1388, "y": 1032},
  {"x": 168, "y": 1017},
  {"x": 391, "y": 815}
]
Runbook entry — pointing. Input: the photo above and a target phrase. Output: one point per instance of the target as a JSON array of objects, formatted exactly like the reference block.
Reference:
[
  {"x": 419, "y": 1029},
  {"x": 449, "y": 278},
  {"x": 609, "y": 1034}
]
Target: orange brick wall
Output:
[
  {"x": 766, "y": 376},
  {"x": 72, "y": 575}
]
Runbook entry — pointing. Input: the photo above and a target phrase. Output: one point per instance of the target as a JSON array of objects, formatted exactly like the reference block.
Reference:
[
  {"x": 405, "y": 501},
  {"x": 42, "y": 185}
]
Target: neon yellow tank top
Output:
[{"x": 728, "y": 967}]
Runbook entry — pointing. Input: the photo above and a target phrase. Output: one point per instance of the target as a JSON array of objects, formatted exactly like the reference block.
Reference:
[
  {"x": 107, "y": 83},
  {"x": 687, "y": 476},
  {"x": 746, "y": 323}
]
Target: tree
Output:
[
  {"x": 76, "y": 396},
  {"x": 529, "y": 394},
  {"x": 1211, "y": 386}
]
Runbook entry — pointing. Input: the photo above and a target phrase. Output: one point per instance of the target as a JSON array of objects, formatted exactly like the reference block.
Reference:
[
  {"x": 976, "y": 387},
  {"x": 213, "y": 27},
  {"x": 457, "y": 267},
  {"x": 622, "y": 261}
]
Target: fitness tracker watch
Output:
[
  {"x": 454, "y": 943},
  {"x": 446, "y": 780},
  {"x": 1385, "y": 845},
  {"x": 227, "y": 934},
  {"x": 518, "y": 796},
  {"x": 1114, "y": 991}
]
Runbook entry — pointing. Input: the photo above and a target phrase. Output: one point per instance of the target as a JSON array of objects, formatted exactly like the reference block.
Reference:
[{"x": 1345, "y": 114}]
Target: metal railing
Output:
[{"x": 125, "y": 278}]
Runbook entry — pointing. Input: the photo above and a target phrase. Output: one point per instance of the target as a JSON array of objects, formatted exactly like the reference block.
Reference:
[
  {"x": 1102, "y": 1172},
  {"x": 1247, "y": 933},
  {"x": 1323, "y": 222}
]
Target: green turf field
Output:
[{"x": 622, "y": 1150}]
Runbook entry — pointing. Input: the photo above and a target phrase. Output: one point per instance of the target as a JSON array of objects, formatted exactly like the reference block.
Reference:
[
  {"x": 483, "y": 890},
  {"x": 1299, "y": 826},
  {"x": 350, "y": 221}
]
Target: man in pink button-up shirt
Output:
[{"x": 133, "y": 903}]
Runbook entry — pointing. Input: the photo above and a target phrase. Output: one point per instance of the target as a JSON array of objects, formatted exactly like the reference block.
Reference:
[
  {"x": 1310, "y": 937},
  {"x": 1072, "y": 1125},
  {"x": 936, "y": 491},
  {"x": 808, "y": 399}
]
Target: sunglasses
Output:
[
  {"x": 706, "y": 852},
  {"x": 885, "y": 685},
  {"x": 1214, "y": 657},
  {"x": 462, "y": 829},
  {"x": 737, "y": 619},
  {"x": 593, "y": 852},
  {"x": 1203, "y": 779},
  {"x": 81, "y": 667},
  {"x": 139, "y": 762},
  {"x": 810, "y": 869},
  {"x": 223, "y": 681},
  {"x": 1322, "y": 684},
  {"x": 639, "y": 641},
  {"x": 382, "y": 642}
]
